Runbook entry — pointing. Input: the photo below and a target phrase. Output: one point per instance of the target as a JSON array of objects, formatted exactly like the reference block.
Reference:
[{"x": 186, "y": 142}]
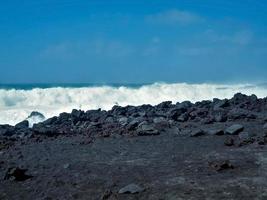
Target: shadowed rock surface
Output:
[{"x": 207, "y": 150}]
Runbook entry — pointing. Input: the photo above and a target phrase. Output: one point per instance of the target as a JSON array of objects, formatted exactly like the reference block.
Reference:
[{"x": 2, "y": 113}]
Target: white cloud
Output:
[
  {"x": 173, "y": 17},
  {"x": 242, "y": 37}
]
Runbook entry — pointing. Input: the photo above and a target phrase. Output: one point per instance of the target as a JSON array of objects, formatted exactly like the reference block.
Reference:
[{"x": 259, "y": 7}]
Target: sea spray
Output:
[{"x": 17, "y": 104}]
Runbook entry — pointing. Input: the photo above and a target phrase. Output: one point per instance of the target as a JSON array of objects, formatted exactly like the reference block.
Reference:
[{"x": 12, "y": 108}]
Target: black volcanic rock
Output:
[
  {"x": 22, "y": 125},
  {"x": 36, "y": 114}
]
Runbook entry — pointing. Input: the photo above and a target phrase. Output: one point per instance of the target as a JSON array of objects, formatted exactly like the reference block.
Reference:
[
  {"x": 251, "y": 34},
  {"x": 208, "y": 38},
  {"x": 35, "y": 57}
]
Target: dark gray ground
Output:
[{"x": 167, "y": 166}]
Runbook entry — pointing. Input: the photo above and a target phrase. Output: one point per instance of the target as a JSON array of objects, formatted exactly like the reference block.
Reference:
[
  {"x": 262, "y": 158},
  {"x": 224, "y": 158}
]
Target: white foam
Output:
[{"x": 16, "y": 105}]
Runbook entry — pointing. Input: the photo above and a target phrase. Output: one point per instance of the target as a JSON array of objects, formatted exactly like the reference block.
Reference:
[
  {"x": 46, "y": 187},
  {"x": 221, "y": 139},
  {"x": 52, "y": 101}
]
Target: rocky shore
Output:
[{"x": 206, "y": 150}]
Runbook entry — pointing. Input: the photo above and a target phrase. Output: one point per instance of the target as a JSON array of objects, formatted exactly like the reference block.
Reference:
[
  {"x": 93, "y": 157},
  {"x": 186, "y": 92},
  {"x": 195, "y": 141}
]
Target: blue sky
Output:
[{"x": 79, "y": 41}]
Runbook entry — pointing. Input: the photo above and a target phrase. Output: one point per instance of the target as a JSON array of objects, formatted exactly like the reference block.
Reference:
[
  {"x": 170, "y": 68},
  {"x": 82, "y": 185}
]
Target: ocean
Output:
[{"x": 17, "y": 101}]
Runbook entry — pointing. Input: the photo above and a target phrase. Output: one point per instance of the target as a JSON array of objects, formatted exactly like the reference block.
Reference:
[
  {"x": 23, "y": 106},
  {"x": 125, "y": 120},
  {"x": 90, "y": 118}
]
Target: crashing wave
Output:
[{"x": 16, "y": 105}]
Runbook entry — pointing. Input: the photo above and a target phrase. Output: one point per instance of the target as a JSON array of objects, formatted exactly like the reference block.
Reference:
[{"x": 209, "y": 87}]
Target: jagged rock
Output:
[
  {"x": 176, "y": 112},
  {"x": 131, "y": 189},
  {"x": 234, "y": 129},
  {"x": 183, "y": 118},
  {"x": 238, "y": 113},
  {"x": 165, "y": 104},
  {"x": 197, "y": 133},
  {"x": 219, "y": 104},
  {"x": 123, "y": 121},
  {"x": 132, "y": 125},
  {"x": 22, "y": 125},
  {"x": 184, "y": 104},
  {"x": 7, "y": 130},
  {"x": 17, "y": 173},
  {"x": 77, "y": 113},
  {"x": 36, "y": 114},
  {"x": 146, "y": 129}
]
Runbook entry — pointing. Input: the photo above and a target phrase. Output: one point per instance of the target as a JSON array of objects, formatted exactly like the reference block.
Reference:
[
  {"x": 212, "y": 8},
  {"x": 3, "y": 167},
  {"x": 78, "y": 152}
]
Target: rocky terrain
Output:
[{"x": 207, "y": 150}]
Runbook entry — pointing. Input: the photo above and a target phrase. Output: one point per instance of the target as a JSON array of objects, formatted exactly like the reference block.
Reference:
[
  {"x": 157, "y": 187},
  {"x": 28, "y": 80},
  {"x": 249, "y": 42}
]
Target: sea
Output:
[{"x": 18, "y": 101}]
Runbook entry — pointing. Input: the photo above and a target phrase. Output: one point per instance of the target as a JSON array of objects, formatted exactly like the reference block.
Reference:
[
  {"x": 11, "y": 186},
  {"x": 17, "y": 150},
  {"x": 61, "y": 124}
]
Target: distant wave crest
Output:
[{"x": 16, "y": 105}]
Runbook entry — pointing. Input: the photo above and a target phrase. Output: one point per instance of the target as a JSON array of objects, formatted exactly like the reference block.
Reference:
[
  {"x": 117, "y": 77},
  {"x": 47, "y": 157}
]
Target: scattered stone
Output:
[
  {"x": 17, "y": 174},
  {"x": 245, "y": 138},
  {"x": 197, "y": 133},
  {"x": 221, "y": 165},
  {"x": 229, "y": 141},
  {"x": 234, "y": 129},
  {"x": 131, "y": 189},
  {"x": 66, "y": 166}
]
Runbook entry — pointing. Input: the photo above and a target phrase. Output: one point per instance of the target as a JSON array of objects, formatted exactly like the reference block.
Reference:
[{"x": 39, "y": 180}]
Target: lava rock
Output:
[
  {"x": 7, "y": 130},
  {"x": 22, "y": 125},
  {"x": 218, "y": 104},
  {"x": 176, "y": 112},
  {"x": 36, "y": 114},
  {"x": 131, "y": 189},
  {"x": 123, "y": 121},
  {"x": 164, "y": 105},
  {"x": 234, "y": 129},
  {"x": 132, "y": 125},
  {"x": 146, "y": 129}
]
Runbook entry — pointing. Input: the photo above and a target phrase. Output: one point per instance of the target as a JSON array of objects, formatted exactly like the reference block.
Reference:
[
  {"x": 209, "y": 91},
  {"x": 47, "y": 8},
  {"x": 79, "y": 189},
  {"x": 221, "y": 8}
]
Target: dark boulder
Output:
[
  {"x": 238, "y": 113},
  {"x": 220, "y": 104},
  {"x": 7, "y": 130},
  {"x": 22, "y": 125},
  {"x": 144, "y": 128},
  {"x": 164, "y": 105},
  {"x": 36, "y": 114}
]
